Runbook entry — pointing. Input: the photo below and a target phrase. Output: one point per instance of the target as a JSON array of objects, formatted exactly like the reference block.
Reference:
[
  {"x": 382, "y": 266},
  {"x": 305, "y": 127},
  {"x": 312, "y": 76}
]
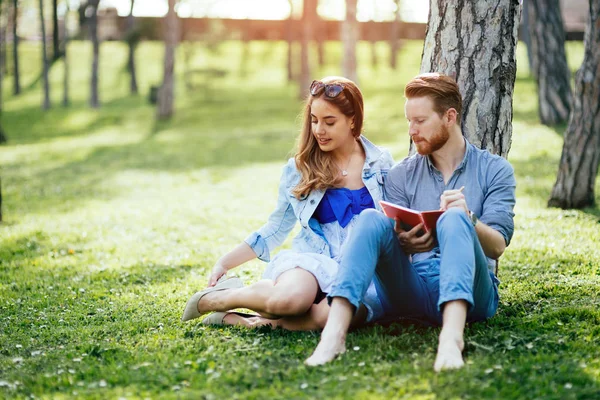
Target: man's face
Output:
[{"x": 426, "y": 128}]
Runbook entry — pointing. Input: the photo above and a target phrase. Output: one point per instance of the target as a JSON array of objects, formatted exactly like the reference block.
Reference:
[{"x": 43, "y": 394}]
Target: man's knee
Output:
[
  {"x": 453, "y": 216},
  {"x": 373, "y": 221}
]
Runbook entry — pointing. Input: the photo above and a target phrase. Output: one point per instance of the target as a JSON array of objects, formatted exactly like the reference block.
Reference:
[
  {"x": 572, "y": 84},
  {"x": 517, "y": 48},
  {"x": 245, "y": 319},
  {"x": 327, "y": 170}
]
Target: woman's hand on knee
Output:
[{"x": 217, "y": 272}]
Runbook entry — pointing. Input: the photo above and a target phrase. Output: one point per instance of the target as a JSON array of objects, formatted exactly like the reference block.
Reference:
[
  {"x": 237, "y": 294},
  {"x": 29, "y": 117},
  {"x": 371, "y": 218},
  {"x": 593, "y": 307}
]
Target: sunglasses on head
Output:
[{"x": 331, "y": 89}]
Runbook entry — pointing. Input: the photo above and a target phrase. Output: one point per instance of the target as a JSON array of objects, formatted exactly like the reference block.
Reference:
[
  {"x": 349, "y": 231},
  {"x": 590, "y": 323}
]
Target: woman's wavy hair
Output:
[{"x": 317, "y": 167}]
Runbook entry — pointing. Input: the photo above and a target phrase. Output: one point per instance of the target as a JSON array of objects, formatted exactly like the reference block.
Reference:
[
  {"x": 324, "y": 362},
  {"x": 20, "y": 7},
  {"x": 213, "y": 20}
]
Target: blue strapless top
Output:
[{"x": 341, "y": 204}]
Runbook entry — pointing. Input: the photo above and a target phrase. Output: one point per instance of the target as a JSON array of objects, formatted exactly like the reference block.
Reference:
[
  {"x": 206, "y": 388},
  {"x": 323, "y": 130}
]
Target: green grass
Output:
[{"x": 113, "y": 220}]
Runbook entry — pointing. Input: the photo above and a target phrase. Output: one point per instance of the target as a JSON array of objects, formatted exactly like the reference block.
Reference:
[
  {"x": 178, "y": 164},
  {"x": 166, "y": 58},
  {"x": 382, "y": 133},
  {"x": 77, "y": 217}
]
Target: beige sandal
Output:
[
  {"x": 217, "y": 318},
  {"x": 191, "y": 308}
]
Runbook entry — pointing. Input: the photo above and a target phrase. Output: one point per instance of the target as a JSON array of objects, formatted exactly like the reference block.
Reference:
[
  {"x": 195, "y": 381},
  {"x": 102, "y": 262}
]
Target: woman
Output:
[{"x": 335, "y": 174}]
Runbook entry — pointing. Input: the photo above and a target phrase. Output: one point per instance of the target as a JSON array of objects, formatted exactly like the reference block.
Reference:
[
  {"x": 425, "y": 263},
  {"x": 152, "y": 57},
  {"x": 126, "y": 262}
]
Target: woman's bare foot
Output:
[
  {"x": 449, "y": 354},
  {"x": 329, "y": 347}
]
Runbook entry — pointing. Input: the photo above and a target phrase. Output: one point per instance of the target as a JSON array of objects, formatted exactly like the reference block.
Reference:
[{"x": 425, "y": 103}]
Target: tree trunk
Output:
[
  {"x": 320, "y": 39},
  {"x": 66, "y": 60},
  {"x": 394, "y": 33},
  {"x": 526, "y": 37},
  {"x": 133, "y": 86},
  {"x": 349, "y": 37},
  {"x": 46, "y": 103},
  {"x": 549, "y": 60},
  {"x": 55, "y": 38},
  {"x": 574, "y": 187},
  {"x": 475, "y": 42},
  {"x": 289, "y": 34},
  {"x": 93, "y": 21},
  {"x": 308, "y": 13},
  {"x": 166, "y": 93},
  {"x": 16, "y": 74},
  {"x": 2, "y": 56}
]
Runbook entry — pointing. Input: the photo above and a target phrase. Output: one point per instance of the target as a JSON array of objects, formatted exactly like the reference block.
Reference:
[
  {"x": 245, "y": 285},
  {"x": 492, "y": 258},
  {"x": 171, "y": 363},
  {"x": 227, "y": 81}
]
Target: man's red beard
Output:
[{"x": 437, "y": 141}]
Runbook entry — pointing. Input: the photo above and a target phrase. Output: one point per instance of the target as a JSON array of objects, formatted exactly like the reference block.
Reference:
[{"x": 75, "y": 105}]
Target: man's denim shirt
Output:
[
  {"x": 489, "y": 191},
  {"x": 289, "y": 209}
]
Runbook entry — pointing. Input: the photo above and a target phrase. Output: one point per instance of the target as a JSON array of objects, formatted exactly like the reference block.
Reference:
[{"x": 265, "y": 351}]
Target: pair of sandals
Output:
[{"x": 216, "y": 318}]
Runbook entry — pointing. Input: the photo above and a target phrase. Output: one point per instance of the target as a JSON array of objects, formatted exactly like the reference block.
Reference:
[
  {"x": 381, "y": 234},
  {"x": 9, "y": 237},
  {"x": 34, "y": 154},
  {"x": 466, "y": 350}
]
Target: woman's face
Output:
[{"x": 330, "y": 127}]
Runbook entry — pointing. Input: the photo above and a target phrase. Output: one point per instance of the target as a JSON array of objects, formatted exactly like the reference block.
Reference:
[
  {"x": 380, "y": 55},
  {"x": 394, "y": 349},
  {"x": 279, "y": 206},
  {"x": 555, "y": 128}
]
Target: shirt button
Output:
[{"x": 312, "y": 201}]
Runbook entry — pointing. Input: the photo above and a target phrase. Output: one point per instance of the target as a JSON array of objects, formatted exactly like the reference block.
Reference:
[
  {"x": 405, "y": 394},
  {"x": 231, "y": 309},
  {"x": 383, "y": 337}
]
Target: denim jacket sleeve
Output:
[{"x": 280, "y": 223}]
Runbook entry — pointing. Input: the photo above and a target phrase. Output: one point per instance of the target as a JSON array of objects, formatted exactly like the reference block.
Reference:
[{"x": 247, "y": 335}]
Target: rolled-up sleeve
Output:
[
  {"x": 280, "y": 223},
  {"x": 499, "y": 202},
  {"x": 393, "y": 190}
]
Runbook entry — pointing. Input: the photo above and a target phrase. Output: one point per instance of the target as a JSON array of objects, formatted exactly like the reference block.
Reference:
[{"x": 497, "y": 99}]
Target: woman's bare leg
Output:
[
  {"x": 291, "y": 294},
  {"x": 313, "y": 320}
]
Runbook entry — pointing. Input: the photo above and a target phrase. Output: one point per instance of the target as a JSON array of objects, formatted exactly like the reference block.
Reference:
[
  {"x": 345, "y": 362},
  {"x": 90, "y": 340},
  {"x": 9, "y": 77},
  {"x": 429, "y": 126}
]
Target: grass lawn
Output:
[{"x": 113, "y": 220}]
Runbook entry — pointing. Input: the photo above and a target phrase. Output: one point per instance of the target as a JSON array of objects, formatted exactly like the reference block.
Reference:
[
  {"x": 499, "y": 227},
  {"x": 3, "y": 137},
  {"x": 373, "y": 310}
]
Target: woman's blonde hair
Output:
[{"x": 317, "y": 168}]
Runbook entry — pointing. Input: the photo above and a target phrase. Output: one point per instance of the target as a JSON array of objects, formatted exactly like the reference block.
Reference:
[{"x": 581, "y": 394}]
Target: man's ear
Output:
[{"x": 451, "y": 116}]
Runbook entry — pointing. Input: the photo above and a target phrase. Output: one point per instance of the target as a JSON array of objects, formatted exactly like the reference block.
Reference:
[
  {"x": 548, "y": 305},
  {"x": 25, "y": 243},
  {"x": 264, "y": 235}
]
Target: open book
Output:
[{"x": 410, "y": 218}]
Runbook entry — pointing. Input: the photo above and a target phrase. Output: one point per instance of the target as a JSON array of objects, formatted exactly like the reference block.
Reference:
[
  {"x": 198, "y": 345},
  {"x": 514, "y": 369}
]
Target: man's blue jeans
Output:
[{"x": 419, "y": 290}]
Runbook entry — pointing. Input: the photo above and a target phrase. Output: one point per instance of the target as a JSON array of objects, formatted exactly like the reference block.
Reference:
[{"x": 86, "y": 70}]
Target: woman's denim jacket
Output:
[{"x": 289, "y": 209}]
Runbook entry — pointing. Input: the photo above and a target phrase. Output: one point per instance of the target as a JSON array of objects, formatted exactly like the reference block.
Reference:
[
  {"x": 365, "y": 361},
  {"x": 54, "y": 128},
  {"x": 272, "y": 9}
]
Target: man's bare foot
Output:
[
  {"x": 329, "y": 347},
  {"x": 449, "y": 354}
]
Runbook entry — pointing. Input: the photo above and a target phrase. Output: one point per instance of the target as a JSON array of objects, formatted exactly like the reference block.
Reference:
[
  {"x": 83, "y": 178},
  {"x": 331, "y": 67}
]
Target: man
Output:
[{"x": 445, "y": 276}]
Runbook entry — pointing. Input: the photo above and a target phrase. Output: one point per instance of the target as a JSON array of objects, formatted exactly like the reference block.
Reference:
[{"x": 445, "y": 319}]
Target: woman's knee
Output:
[{"x": 285, "y": 302}]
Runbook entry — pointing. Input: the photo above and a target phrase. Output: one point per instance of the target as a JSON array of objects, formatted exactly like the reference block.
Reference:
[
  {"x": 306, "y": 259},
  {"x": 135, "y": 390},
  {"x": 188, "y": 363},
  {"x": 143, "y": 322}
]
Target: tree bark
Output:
[
  {"x": 93, "y": 21},
  {"x": 132, "y": 42},
  {"x": 574, "y": 187},
  {"x": 394, "y": 33},
  {"x": 166, "y": 93},
  {"x": 475, "y": 42},
  {"x": 549, "y": 61},
  {"x": 46, "y": 102},
  {"x": 55, "y": 38},
  {"x": 16, "y": 73},
  {"x": 349, "y": 37},
  {"x": 308, "y": 14}
]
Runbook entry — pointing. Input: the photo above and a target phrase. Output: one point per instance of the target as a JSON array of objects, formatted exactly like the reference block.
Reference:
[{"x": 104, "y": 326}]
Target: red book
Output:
[{"x": 410, "y": 218}]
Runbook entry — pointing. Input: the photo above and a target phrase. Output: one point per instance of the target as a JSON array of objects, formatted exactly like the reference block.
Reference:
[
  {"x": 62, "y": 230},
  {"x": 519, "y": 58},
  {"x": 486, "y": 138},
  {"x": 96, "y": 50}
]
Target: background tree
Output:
[
  {"x": 349, "y": 37},
  {"x": 133, "y": 38},
  {"x": 394, "y": 33},
  {"x": 166, "y": 92},
  {"x": 289, "y": 34},
  {"x": 481, "y": 57},
  {"x": 309, "y": 13},
  {"x": 66, "y": 58},
  {"x": 16, "y": 73},
  {"x": 93, "y": 22},
  {"x": 525, "y": 36},
  {"x": 549, "y": 61},
  {"x": 55, "y": 37},
  {"x": 574, "y": 187},
  {"x": 2, "y": 55},
  {"x": 46, "y": 102}
]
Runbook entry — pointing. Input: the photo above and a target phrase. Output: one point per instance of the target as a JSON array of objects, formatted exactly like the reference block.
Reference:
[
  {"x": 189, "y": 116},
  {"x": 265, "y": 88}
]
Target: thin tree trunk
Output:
[
  {"x": 2, "y": 56},
  {"x": 394, "y": 33},
  {"x": 166, "y": 93},
  {"x": 133, "y": 86},
  {"x": 55, "y": 38},
  {"x": 349, "y": 37},
  {"x": 475, "y": 42},
  {"x": 574, "y": 187},
  {"x": 320, "y": 39},
  {"x": 309, "y": 7},
  {"x": 66, "y": 60},
  {"x": 526, "y": 21},
  {"x": 549, "y": 60},
  {"x": 16, "y": 73},
  {"x": 93, "y": 21},
  {"x": 289, "y": 34},
  {"x": 46, "y": 103}
]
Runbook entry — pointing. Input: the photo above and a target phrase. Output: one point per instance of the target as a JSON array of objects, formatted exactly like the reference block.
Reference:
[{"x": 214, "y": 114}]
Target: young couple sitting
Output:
[{"x": 350, "y": 264}]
